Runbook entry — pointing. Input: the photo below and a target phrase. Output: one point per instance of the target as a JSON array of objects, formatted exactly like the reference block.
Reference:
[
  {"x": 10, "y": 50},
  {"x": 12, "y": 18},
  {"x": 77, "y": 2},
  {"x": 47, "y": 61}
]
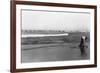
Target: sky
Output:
[{"x": 52, "y": 20}]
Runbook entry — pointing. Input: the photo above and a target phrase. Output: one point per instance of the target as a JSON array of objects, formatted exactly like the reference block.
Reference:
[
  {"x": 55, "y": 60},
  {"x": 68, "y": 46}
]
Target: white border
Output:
[{"x": 51, "y": 64}]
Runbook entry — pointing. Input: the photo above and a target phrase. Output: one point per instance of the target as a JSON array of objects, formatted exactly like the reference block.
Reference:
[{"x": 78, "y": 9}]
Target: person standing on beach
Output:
[{"x": 83, "y": 45}]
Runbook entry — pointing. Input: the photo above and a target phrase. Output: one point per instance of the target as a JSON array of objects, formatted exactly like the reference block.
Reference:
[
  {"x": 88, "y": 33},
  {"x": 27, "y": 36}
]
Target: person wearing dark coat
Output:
[{"x": 83, "y": 45}]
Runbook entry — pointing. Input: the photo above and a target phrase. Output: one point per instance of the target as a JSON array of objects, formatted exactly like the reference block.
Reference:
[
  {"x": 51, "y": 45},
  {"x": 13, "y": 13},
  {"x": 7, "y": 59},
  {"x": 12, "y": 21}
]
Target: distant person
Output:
[{"x": 83, "y": 45}]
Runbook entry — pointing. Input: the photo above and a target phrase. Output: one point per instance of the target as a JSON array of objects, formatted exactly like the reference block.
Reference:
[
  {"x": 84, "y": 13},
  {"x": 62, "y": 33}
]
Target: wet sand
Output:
[{"x": 52, "y": 52}]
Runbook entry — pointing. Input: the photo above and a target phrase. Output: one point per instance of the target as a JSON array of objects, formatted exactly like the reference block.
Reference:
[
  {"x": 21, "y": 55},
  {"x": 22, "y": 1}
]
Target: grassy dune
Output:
[{"x": 72, "y": 37}]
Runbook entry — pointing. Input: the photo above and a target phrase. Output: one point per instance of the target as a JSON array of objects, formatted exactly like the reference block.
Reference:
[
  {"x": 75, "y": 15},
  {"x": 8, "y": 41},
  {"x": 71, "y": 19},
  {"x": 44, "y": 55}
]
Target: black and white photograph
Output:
[
  {"x": 51, "y": 36},
  {"x": 54, "y": 35}
]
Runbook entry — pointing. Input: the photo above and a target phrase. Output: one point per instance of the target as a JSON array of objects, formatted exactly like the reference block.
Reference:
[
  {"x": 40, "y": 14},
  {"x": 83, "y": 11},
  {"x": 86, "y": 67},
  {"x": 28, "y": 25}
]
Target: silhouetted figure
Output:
[{"x": 83, "y": 45}]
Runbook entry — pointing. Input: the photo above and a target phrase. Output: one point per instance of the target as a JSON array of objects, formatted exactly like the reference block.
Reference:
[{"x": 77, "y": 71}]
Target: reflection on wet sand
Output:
[{"x": 53, "y": 52}]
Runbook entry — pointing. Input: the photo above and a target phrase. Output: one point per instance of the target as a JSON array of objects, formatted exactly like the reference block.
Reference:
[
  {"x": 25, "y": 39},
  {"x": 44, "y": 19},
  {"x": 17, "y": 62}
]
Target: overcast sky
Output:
[{"x": 48, "y": 20}]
